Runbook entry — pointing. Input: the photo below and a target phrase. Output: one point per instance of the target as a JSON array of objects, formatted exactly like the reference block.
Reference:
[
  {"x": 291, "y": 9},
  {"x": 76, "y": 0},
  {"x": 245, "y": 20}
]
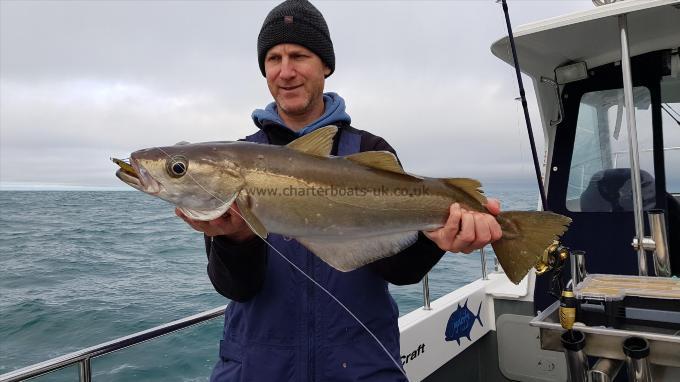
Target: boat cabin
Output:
[{"x": 574, "y": 62}]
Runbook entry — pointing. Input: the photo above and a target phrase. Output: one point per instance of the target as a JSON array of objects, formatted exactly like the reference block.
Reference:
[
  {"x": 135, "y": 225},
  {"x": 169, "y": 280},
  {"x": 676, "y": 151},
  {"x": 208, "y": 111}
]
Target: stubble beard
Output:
[
  {"x": 307, "y": 106},
  {"x": 297, "y": 111}
]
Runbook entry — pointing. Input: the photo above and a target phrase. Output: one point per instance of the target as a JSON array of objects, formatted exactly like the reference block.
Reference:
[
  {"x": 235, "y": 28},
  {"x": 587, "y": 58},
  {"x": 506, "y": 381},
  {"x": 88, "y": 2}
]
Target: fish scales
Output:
[{"x": 317, "y": 214}]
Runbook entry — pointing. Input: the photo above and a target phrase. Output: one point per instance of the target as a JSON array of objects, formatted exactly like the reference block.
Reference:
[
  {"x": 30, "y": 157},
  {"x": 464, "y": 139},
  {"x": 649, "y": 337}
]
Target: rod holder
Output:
[
  {"x": 577, "y": 362},
  {"x": 657, "y": 243},
  {"x": 662, "y": 261},
  {"x": 605, "y": 370},
  {"x": 636, "y": 350},
  {"x": 578, "y": 267}
]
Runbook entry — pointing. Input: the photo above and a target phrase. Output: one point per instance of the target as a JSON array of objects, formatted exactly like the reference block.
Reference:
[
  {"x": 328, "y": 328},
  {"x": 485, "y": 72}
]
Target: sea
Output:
[{"x": 78, "y": 268}]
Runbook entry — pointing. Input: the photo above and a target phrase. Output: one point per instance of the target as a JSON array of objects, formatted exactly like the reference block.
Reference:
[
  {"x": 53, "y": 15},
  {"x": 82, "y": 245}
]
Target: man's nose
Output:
[{"x": 287, "y": 69}]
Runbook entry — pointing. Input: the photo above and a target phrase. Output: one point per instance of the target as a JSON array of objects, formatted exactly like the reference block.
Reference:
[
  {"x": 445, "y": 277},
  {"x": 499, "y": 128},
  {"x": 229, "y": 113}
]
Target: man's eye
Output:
[{"x": 273, "y": 58}]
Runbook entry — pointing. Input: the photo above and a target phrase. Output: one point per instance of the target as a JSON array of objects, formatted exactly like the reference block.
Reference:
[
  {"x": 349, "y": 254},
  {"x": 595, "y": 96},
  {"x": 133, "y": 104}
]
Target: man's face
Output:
[{"x": 295, "y": 77}]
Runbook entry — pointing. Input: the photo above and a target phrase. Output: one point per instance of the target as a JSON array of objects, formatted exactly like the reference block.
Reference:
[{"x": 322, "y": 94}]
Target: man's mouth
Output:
[{"x": 290, "y": 88}]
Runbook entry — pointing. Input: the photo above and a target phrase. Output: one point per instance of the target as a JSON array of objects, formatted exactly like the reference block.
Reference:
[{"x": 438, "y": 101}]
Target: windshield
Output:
[
  {"x": 599, "y": 177},
  {"x": 670, "y": 117}
]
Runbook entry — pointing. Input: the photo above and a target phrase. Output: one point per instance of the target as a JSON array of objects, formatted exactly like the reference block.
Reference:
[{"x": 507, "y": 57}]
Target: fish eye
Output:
[{"x": 177, "y": 166}]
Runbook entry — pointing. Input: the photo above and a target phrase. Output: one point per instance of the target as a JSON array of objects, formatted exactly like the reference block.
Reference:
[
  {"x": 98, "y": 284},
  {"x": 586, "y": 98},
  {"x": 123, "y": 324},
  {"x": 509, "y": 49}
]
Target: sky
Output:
[{"x": 84, "y": 81}]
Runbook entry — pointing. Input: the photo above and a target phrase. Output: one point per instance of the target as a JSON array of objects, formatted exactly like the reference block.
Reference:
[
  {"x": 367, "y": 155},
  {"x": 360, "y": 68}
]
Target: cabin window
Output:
[
  {"x": 670, "y": 117},
  {"x": 599, "y": 177}
]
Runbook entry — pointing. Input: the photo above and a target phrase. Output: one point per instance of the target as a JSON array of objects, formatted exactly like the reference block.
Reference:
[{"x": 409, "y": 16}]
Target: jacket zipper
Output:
[{"x": 311, "y": 315}]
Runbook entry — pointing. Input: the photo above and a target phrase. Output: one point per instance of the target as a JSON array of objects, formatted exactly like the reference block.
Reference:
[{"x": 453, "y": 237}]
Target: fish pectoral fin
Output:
[
  {"x": 204, "y": 215},
  {"x": 243, "y": 203},
  {"x": 467, "y": 185},
  {"x": 348, "y": 255},
  {"x": 209, "y": 214},
  {"x": 319, "y": 142},
  {"x": 381, "y": 160}
]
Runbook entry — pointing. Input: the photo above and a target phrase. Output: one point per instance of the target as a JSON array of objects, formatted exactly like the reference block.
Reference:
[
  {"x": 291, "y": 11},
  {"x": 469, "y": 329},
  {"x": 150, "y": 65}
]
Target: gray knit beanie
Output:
[{"x": 296, "y": 22}]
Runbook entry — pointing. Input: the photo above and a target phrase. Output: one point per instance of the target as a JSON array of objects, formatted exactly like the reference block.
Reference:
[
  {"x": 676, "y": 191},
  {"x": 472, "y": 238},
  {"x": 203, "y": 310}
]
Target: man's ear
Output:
[{"x": 326, "y": 71}]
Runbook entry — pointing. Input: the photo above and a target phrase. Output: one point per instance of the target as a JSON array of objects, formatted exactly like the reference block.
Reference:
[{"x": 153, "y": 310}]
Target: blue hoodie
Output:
[{"x": 334, "y": 112}]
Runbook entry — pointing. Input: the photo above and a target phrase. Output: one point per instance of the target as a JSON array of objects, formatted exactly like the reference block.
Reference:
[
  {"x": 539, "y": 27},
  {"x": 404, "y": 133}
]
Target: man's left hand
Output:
[{"x": 466, "y": 231}]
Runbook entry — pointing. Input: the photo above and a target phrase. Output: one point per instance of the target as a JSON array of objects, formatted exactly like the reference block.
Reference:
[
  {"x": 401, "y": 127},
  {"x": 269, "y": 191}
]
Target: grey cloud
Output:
[{"x": 82, "y": 81}]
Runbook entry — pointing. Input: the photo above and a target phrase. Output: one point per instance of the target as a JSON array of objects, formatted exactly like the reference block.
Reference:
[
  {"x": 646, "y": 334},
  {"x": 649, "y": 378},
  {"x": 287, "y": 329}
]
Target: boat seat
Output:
[{"x": 611, "y": 191}]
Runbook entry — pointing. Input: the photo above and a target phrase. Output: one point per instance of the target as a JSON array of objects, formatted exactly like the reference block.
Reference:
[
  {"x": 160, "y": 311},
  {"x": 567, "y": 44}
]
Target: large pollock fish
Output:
[{"x": 349, "y": 210}]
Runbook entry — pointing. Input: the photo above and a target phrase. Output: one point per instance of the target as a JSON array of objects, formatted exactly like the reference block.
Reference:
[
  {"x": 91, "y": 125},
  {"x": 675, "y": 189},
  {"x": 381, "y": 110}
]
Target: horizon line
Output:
[{"x": 70, "y": 187}]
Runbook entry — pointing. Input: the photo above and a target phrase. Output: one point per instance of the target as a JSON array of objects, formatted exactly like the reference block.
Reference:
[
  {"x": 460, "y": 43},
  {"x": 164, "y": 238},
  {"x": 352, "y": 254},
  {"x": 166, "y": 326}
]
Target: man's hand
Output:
[
  {"x": 231, "y": 224},
  {"x": 466, "y": 231}
]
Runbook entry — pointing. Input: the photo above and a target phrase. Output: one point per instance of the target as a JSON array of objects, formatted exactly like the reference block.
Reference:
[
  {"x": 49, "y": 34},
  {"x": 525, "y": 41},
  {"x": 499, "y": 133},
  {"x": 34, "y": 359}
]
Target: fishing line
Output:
[
  {"x": 671, "y": 107},
  {"x": 670, "y": 114},
  {"x": 231, "y": 208}
]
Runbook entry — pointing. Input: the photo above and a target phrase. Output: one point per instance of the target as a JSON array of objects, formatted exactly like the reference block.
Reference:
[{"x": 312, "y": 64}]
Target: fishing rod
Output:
[
  {"x": 537, "y": 168},
  {"x": 555, "y": 260}
]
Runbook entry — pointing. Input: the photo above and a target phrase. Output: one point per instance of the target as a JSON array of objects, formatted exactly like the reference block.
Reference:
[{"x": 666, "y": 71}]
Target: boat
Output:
[{"x": 588, "y": 69}]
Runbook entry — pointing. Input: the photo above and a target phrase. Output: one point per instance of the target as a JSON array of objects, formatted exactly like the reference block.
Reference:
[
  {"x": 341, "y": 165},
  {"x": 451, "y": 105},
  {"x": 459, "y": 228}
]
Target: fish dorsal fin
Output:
[
  {"x": 319, "y": 142},
  {"x": 383, "y": 160},
  {"x": 469, "y": 186}
]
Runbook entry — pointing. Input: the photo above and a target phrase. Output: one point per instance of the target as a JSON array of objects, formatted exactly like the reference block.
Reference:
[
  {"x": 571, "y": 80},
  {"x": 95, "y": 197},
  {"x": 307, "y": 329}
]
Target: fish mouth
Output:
[
  {"x": 137, "y": 177},
  {"x": 130, "y": 179}
]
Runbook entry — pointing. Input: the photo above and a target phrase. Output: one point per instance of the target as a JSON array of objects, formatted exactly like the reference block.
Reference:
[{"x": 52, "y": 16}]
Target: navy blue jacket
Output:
[{"x": 281, "y": 327}]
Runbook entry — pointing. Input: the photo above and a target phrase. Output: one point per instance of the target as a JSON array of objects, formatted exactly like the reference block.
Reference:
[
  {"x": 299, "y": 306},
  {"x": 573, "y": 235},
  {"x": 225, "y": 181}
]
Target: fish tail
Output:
[
  {"x": 526, "y": 236},
  {"x": 479, "y": 310}
]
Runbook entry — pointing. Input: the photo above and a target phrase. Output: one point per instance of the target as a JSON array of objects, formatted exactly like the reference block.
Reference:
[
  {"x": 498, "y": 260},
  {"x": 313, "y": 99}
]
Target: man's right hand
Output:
[{"x": 231, "y": 225}]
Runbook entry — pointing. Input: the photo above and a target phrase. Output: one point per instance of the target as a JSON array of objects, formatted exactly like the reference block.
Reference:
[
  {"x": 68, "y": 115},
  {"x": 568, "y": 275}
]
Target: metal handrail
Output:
[
  {"x": 83, "y": 357},
  {"x": 616, "y": 153},
  {"x": 582, "y": 164},
  {"x": 426, "y": 293},
  {"x": 632, "y": 143},
  {"x": 485, "y": 273},
  {"x": 426, "y": 281}
]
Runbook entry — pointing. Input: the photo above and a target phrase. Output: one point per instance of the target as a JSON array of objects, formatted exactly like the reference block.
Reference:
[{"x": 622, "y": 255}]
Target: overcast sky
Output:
[{"x": 84, "y": 81}]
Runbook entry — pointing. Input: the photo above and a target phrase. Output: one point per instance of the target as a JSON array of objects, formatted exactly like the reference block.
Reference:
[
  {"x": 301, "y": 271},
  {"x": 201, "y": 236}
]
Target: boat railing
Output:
[
  {"x": 426, "y": 281},
  {"x": 617, "y": 153},
  {"x": 84, "y": 356}
]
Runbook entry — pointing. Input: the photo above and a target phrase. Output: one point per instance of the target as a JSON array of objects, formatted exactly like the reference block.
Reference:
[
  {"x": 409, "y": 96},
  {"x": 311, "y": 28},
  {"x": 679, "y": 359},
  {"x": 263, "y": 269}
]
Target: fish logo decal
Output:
[{"x": 461, "y": 322}]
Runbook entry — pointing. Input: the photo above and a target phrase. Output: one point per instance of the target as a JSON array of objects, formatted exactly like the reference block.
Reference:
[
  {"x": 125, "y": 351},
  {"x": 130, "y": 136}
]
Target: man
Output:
[{"x": 279, "y": 325}]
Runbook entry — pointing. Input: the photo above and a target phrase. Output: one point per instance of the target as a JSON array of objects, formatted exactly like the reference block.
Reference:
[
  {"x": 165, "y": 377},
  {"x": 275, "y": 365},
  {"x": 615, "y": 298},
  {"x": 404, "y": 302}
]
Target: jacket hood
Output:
[{"x": 334, "y": 113}]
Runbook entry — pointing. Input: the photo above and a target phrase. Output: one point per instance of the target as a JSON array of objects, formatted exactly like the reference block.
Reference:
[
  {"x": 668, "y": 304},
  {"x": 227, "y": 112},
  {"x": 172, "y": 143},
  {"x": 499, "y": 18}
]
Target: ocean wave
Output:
[{"x": 81, "y": 268}]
